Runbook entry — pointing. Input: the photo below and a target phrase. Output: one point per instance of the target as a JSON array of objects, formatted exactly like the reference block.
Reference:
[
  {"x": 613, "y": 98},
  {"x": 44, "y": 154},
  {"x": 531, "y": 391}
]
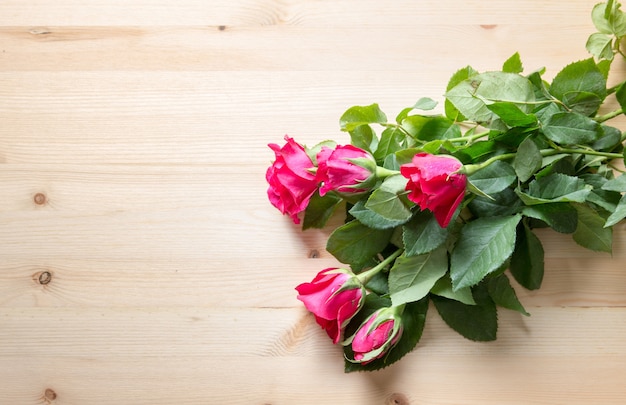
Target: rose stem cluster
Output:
[{"x": 336, "y": 295}]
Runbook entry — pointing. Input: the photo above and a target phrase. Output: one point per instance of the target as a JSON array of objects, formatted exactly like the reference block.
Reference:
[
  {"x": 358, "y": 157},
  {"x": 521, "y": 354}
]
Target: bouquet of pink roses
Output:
[{"x": 439, "y": 206}]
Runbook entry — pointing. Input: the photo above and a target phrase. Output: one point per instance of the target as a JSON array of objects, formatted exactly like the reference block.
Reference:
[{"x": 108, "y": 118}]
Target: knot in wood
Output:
[
  {"x": 50, "y": 395},
  {"x": 44, "y": 277},
  {"x": 397, "y": 399},
  {"x": 39, "y": 198},
  {"x": 314, "y": 254}
]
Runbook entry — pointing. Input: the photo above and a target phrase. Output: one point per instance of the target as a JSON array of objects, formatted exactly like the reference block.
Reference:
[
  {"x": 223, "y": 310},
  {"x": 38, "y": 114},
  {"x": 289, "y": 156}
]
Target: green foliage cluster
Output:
[{"x": 537, "y": 154}]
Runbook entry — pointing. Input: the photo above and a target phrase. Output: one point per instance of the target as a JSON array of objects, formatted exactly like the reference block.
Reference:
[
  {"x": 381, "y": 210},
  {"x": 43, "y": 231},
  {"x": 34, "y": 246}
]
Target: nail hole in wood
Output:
[{"x": 314, "y": 254}]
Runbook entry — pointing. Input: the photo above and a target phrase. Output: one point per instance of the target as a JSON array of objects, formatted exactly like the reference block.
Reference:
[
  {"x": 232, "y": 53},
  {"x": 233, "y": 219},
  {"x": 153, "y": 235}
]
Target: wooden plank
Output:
[
  {"x": 277, "y": 48},
  {"x": 194, "y": 118},
  {"x": 131, "y": 226},
  {"x": 293, "y": 12},
  {"x": 141, "y": 282},
  {"x": 86, "y": 352}
]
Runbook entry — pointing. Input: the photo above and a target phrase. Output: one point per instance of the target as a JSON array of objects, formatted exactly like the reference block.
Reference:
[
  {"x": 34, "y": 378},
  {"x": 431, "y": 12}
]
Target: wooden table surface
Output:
[{"x": 140, "y": 261}]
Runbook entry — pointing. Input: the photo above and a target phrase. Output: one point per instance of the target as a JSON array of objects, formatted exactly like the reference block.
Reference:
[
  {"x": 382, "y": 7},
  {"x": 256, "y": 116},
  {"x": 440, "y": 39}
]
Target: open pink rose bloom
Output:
[
  {"x": 291, "y": 182},
  {"x": 334, "y": 297},
  {"x": 342, "y": 169},
  {"x": 434, "y": 185}
]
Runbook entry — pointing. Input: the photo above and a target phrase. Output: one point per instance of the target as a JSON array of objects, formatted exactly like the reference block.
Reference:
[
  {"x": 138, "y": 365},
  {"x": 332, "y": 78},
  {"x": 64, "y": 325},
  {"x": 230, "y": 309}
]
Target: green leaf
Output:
[
  {"x": 319, "y": 210},
  {"x": 459, "y": 76},
  {"x": 511, "y": 114},
  {"x": 371, "y": 219},
  {"x": 493, "y": 178},
  {"x": 431, "y": 128},
  {"x": 503, "y": 294},
  {"x": 503, "y": 203},
  {"x": 469, "y": 95},
  {"x": 390, "y": 142},
  {"x": 484, "y": 245},
  {"x": 540, "y": 87},
  {"x": 443, "y": 288},
  {"x": 562, "y": 217},
  {"x": 617, "y": 184},
  {"x": 619, "y": 213},
  {"x": 411, "y": 278},
  {"x": 555, "y": 187},
  {"x": 620, "y": 95},
  {"x": 600, "y": 45},
  {"x": 355, "y": 243},
  {"x": 362, "y": 115},
  {"x": 609, "y": 19},
  {"x": 476, "y": 152},
  {"x": 424, "y": 104},
  {"x": 422, "y": 234},
  {"x": 527, "y": 159},
  {"x": 363, "y": 137},
  {"x": 581, "y": 76},
  {"x": 386, "y": 200},
  {"x": 600, "y": 18},
  {"x": 560, "y": 163},
  {"x": 527, "y": 262},
  {"x": 571, "y": 128},
  {"x": 513, "y": 64},
  {"x": 413, "y": 320},
  {"x": 583, "y": 102},
  {"x": 475, "y": 322},
  {"x": 405, "y": 156},
  {"x": 611, "y": 138},
  {"x": 475, "y": 190},
  {"x": 605, "y": 67},
  {"x": 590, "y": 232}
]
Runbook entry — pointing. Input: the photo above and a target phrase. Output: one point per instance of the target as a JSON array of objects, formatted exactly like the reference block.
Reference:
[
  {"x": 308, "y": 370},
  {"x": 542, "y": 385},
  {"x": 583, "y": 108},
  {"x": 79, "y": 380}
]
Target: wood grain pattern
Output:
[{"x": 140, "y": 262}]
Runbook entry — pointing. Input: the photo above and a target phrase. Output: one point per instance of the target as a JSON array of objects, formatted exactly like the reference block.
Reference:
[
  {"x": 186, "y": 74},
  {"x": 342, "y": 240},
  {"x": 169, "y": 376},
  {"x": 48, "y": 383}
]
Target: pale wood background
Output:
[{"x": 132, "y": 157}]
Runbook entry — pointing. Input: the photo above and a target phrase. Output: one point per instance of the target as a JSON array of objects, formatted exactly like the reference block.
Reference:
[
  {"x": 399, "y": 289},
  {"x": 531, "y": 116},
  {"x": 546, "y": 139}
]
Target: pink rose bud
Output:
[
  {"x": 345, "y": 170},
  {"x": 377, "y": 335},
  {"x": 290, "y": 178},
  {"x": 334, "y": 297},
  {"x": 434, "y": 185}
]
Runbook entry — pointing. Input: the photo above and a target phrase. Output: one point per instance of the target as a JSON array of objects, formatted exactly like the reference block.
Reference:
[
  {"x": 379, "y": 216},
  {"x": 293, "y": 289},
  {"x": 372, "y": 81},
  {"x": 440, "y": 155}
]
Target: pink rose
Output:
[
  {"x": 334, "y": 297},
  {"x": 345, "y": 169},
  {"x": 377, "y": 335},
  {"x": 434, "y": 185},
  {"x": 291, "y": 182}
]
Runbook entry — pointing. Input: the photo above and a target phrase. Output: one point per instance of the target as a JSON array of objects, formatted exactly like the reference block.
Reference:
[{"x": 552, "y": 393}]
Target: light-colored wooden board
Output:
[
  {"x": 133, "y": 149},
  {"x": 151, "y": 355}
]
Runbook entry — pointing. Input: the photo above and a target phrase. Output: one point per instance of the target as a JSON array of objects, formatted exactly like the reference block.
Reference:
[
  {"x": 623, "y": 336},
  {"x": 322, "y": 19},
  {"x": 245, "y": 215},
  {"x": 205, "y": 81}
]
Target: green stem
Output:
[
  {"x": 470, "y": 138},
  {"x": 366, "y": 276},
  {"x": 613, "y": 89},
  {"x": 471, "y": 169},
  {"x": 606, "y": 117},
  {"x": 550, "y": 152},
  {"x": 399, "y": 128}
]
